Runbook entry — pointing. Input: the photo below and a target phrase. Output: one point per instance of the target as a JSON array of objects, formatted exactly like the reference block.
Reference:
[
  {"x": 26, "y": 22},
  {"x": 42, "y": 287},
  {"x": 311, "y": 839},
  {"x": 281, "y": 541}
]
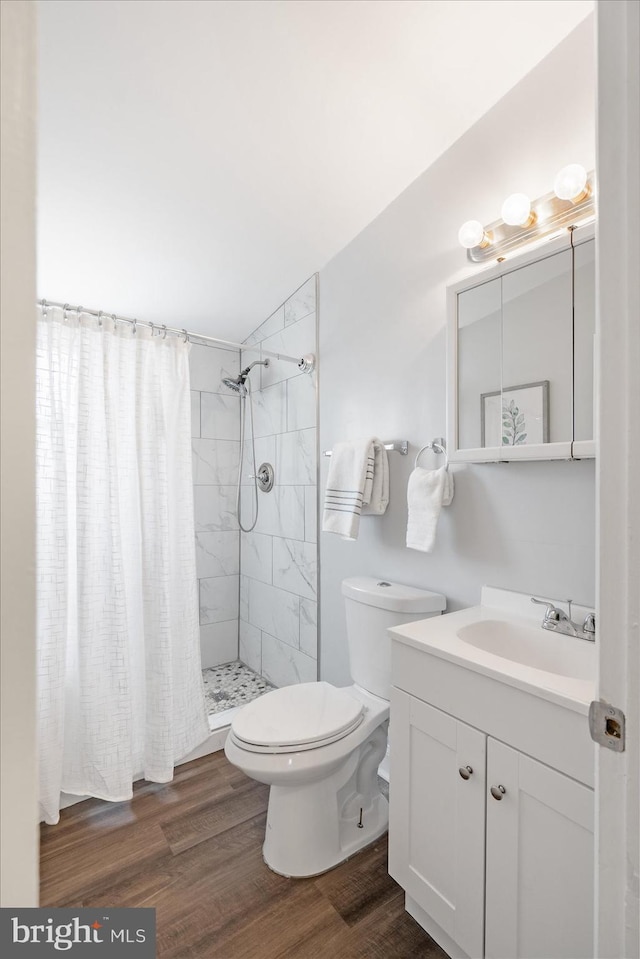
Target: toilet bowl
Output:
[
  {"x": 324, "y": 802},
  {"x": 319, "y": 746}
]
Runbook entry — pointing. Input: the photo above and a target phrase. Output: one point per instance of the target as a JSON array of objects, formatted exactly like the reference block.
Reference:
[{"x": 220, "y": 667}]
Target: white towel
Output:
[
  {"x": 358, "y": 481},
  {"x": 427, "y": 492}
]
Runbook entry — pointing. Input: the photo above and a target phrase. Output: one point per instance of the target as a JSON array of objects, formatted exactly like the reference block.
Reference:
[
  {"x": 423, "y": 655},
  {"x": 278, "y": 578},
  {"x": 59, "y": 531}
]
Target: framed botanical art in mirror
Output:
[{"x": 515, "y": 415}]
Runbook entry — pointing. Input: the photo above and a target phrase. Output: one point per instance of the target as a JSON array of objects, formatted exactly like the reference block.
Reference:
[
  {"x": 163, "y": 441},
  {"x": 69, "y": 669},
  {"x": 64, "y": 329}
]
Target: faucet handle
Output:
[
  {"x": 551, "y": 614},
  {"x": 589, "y": 625}
]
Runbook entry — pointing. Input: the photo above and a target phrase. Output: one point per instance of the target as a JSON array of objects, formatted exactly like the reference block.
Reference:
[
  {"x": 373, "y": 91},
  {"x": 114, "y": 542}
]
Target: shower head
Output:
[{"x": 237, "y": 384}]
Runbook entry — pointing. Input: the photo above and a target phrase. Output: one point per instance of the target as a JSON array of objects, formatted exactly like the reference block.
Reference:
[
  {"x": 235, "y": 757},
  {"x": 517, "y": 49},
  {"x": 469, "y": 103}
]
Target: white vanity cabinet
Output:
[
  {"x": 491, "y": 878},
  {"x": 437, "y": 818},
  {"x": 539, "y": 860}
]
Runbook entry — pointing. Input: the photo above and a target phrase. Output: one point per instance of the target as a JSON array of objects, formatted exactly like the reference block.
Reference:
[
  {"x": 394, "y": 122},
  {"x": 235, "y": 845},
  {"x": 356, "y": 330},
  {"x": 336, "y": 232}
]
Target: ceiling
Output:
[{"x": 199, "y": 159}]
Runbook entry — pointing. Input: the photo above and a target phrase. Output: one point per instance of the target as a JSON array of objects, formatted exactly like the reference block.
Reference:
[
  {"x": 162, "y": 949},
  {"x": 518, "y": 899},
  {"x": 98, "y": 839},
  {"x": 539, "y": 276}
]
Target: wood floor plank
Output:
[
  {"x": 360, "y": 885},
  {"x": 99, "y": 858},
  {"x": 193, "y": 851},
  {"x": 191, "y": 789},
  {"x": 390, "y": 932},
  {"x": 211, "y": 861},
  {"x": 216, "y": 907},
  {"x": 230, "y": 810},
  {"x": 268, "y": 932}
]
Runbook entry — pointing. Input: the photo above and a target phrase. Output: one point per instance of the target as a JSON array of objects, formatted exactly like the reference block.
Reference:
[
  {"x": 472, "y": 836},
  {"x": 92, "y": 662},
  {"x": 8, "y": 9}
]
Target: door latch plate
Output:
[{"x": 606, "y": 725}]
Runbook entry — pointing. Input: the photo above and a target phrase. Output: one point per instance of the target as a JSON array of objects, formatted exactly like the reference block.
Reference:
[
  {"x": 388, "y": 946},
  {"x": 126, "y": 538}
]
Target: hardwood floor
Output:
[{"x": 192, "y": 850}]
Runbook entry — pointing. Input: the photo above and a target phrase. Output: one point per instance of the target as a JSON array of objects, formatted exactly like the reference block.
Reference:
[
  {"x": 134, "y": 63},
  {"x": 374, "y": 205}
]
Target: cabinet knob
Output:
[
  {"x": 465, "y": 771},
  {"x": 498, "y": 792}
]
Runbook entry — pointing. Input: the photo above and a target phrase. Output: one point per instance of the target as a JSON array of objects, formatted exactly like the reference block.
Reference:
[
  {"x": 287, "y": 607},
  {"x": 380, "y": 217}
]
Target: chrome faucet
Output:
[
  {"x": 558, "y": 621},
  {"x": 589, "y": 626}
]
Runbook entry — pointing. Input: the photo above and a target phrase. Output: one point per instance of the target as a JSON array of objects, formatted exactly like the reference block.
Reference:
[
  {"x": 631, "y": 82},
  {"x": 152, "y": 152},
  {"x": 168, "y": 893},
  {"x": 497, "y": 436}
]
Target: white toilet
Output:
[{"x": 319, "y": 746}]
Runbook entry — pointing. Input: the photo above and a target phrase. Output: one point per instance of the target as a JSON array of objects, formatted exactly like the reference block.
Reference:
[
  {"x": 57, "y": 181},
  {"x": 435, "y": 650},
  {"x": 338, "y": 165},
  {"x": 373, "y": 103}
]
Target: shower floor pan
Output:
[{"x": 227, "y": 688}]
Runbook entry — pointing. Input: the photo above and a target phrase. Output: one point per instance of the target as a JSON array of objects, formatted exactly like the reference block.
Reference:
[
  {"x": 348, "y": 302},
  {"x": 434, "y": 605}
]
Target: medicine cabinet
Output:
[{"x": 521, "y": 356}]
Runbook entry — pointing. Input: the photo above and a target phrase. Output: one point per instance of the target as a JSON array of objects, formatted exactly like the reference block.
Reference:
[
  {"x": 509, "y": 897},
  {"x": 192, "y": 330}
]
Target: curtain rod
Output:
[{"x": 305, "y": 363}]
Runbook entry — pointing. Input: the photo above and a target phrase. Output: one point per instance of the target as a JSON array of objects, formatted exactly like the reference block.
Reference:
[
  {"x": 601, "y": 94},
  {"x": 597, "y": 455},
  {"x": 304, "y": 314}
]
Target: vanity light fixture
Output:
[
  {"x": 572, "y": 183},
  {"x": 472, "y": 234},
  {"x": 516, "y": 210},
  {"x": 571, "y": 202}
]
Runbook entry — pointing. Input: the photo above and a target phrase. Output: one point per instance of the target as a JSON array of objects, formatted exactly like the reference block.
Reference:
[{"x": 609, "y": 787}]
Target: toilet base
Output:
[
  {"x": 313, "y": 827},
  {"x": 347, "y": 855},
  {"x": 311, "y": 857}
]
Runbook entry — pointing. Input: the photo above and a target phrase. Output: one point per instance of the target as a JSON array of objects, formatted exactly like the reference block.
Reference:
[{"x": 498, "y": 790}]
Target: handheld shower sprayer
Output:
[{"x": 237, "y": 384}]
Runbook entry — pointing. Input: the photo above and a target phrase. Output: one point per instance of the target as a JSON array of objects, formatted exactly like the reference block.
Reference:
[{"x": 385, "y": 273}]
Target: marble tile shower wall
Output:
[
  {"x": 215, "y": 431},
  {"x": 278, "y": 559}
]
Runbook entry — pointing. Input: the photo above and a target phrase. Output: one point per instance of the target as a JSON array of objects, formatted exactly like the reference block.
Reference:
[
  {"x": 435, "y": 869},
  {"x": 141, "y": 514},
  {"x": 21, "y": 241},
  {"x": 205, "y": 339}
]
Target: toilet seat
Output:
[{"x": 297, "y": 718}]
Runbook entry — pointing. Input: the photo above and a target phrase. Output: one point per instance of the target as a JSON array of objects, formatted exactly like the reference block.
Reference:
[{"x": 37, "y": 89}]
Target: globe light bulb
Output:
[
  {"x": 516, "y": 210},
  {"x": 571, "y": 183},
  {"x": 472, "y": 234}
]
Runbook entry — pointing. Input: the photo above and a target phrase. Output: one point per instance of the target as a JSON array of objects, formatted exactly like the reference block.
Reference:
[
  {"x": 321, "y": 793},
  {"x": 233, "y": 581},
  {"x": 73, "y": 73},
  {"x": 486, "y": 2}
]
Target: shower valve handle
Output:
[{"x": 265, "y": 477}]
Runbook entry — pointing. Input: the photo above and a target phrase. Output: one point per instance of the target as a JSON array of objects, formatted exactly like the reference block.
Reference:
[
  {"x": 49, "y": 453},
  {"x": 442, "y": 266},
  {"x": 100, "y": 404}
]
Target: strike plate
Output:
[{"x": 606, "y": 725}]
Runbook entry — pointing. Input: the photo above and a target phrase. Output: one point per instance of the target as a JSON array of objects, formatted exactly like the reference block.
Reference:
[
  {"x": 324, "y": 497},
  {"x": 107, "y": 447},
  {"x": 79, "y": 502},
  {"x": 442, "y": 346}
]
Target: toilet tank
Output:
[{"x": 372, "y": 607}]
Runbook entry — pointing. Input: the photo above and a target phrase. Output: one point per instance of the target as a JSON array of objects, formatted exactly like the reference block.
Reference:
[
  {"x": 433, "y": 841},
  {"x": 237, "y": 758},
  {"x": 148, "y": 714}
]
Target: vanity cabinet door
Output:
[
  {"x": 436, "y": 829},
  {"x": 539, "y": 871}
]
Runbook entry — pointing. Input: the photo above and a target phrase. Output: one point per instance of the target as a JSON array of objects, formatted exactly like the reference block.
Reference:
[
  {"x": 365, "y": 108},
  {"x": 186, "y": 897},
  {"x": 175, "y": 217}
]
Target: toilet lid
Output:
[{"x": 306, "y": 715}]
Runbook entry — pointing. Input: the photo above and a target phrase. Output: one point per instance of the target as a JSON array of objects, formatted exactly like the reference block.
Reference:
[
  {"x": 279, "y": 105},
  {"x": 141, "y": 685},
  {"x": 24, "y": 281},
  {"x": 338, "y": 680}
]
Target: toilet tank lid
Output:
[{"x": 393, "y": 596}]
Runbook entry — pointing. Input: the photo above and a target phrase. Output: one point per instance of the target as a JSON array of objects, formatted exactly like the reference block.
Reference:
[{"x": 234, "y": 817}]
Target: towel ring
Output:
[{"x": 437, "y": 447}]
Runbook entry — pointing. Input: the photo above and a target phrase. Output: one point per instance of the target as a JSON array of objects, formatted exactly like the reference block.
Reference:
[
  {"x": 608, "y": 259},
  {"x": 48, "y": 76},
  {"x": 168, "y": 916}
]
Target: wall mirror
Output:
[{"x": 520, "y": 356}]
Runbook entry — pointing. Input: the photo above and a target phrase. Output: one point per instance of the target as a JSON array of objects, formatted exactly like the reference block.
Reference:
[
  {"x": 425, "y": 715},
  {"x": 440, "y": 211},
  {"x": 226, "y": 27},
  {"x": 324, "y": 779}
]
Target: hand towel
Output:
[
  {"x": 350, "y": 474},
  {"x": 358, "y": 482},
  {"x": 427, "y": 492},
  {"x": 377, "y": 500}
]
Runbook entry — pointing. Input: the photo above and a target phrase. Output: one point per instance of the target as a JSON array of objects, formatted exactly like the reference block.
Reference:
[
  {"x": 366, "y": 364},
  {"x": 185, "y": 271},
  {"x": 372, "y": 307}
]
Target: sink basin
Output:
[
  {"x": 531, "y": 646},
  {"x": 501, "y": 639}
]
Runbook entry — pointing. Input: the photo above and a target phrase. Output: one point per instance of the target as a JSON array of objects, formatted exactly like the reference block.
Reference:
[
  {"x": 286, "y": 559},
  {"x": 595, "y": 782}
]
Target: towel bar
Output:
[{"x": 396, "y": 446}]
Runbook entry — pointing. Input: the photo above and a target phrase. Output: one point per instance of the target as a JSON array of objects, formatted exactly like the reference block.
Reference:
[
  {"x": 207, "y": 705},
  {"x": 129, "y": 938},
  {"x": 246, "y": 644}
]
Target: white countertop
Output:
[{"x": 437, "y": 636}]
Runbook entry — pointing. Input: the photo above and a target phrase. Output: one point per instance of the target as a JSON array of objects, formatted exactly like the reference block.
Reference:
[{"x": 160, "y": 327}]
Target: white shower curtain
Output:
[{"x": 119, "y": 672}]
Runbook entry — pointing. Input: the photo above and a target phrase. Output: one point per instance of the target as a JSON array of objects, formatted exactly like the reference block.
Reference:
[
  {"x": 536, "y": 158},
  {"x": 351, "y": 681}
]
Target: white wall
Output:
[
  {"x": 18, "y": 806},
  {"x": 382, "y": 346}
]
